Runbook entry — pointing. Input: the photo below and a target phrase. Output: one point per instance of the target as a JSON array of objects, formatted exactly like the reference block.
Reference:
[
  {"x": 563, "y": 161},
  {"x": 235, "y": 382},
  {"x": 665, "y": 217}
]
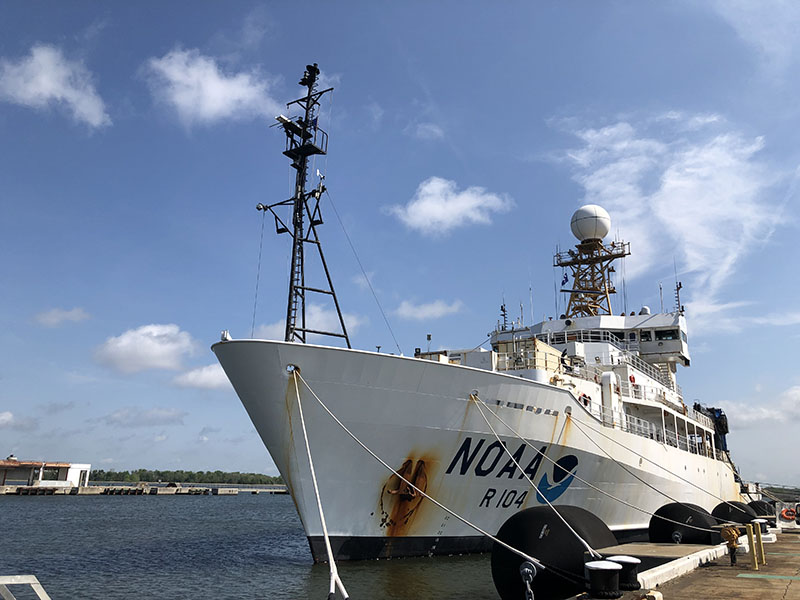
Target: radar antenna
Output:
[
  {"x": 304, "y": 138},
  {"x": 590, "y": 263}
]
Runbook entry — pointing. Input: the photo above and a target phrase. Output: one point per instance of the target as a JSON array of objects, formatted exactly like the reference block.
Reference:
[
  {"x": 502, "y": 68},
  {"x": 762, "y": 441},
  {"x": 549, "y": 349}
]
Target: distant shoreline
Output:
[{"x": 184, "y": 477}]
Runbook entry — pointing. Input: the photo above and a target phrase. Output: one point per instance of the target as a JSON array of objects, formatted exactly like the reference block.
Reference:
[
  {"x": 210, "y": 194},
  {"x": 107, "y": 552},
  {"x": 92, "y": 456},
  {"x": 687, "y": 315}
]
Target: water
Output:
[{"x": 222, "y": 547}]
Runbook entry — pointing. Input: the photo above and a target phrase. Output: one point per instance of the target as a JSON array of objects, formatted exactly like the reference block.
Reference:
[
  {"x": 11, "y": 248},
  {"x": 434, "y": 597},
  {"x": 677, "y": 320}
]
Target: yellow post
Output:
[
  {"x": 752, "y": 544},
  {"x": 760, "y": 542}
]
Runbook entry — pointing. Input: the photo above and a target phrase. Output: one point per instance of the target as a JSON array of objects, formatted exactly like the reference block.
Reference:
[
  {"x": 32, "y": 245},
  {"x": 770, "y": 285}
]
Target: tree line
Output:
[{"x": 185, "y": 477}]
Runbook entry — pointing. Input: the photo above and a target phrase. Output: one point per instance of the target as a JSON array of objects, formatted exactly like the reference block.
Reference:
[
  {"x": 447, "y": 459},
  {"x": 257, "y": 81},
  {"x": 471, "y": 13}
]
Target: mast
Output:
[
  {"x": 590, "y": 263},
  {"x": 304, "y": 138}
]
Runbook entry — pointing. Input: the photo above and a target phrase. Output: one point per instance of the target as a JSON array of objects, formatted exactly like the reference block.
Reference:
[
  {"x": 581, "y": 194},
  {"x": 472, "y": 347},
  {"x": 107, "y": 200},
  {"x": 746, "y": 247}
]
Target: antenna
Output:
[
  {"x": 590, "y": 263},
  {"x": 678, "y": 305},
  {"x": 530, "y": 293},
  {"x": 304, "y": 138}
]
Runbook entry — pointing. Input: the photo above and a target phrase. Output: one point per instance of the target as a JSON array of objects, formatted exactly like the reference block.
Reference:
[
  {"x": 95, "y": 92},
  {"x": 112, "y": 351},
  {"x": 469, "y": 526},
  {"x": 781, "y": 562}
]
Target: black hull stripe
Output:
[{"x": 366, "y": 548}]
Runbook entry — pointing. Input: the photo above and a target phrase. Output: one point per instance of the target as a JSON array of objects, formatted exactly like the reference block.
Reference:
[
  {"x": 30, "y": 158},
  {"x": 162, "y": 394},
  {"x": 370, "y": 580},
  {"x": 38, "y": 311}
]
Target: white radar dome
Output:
[{"x": 590, "y": 222}]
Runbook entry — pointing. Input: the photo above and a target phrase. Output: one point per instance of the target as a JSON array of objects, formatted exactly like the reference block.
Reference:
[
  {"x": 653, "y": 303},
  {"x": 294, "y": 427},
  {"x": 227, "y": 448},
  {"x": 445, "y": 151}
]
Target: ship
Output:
[{"x": 582, "y": 410}]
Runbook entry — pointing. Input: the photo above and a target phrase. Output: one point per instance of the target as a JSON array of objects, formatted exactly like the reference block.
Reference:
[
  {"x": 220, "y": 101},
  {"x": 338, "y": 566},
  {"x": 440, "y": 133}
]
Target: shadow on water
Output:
[{"x": 237, "y": 547}]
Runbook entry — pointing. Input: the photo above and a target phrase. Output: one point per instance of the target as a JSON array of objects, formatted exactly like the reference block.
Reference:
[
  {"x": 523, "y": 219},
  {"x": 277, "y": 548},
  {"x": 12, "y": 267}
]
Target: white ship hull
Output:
[{"x": 408, "y": 409}]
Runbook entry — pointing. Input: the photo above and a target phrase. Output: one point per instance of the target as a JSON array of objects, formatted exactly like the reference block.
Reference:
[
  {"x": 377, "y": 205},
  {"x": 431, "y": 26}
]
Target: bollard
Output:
[
  {"x": 628, "y": 576},
  {"x": 760, "y": 540},
  {"x": 603, "y": 576},
  {"x": 751, "y": 541}
]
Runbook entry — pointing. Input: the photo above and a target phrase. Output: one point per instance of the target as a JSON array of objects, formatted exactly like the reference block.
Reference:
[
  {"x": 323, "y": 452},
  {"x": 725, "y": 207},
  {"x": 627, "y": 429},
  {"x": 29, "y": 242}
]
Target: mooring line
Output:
[
  {"x": 519, "y": 553},
  {"x": 597, "y": 489},
  {"x": 586, "y": 545},
  {"x": 664, "y": 469},
  {"x": 335, "y": 580},
  {"x": 652, "y": 487}
]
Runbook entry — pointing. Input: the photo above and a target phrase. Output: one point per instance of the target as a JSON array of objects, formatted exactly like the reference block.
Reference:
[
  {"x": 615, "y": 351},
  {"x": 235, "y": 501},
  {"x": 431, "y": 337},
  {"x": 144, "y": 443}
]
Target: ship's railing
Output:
[
  {"x": 30, "y": 580},
  {"x": 549, "y": 362},
  {"x": 692, "y": 443},
  {"x": 639, "y": 391},
  {"x": 585, "y": 335},
  {"x": 623, "y": 421},
  {"x": 626, "y": 351},
  {"x": 640, "y": 365}
]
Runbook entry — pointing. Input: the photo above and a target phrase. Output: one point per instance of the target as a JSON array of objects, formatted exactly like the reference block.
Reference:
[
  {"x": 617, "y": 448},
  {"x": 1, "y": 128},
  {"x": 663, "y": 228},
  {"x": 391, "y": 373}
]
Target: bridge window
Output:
[{"x": 667, "y": 334}]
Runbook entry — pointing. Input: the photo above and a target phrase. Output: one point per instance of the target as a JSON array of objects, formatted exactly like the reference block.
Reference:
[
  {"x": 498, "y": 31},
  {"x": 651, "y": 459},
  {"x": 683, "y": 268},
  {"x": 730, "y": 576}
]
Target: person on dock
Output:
[{"x": 730, "y": 534}]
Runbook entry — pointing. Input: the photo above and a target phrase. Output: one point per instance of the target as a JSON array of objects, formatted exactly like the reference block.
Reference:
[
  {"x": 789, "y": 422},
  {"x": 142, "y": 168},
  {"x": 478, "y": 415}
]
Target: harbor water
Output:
[{"x": 222, "y": 547}]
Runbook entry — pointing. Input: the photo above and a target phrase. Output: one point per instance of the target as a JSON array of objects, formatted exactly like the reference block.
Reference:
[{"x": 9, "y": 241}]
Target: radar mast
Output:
[
  {"x": 304, "y": 138},
  {"x": 590, "y": 263}
]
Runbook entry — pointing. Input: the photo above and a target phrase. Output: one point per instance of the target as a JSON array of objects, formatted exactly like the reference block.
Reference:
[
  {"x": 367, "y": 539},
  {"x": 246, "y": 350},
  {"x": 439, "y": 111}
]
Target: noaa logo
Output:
[{"x": 564, "y": 471}]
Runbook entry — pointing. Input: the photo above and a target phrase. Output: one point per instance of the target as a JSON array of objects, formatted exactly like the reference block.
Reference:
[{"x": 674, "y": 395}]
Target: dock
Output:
[
  {"x": 779, "y": 578},
  {"x": 678, "y": 571},
  {"x": 141, "y": 489}
]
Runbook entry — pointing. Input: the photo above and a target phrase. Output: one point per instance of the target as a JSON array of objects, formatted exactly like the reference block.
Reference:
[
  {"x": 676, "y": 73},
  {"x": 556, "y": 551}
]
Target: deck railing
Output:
[
  {"x": 692, "y": 443},
  {"x": 30, "y": 580}
]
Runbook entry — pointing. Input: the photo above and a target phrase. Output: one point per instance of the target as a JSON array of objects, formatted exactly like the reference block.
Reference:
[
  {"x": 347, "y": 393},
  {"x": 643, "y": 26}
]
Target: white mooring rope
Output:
[
  {"x": 586, "y": 545},
  {"x": 519, "y": 553},
  {"x": 335, "y": 579},
  {"x": 664, "y": 469},
  {"x": 595, "y": 488}
]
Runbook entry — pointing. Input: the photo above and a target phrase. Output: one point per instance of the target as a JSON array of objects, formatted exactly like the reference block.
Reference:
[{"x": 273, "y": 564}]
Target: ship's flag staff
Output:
[{"x": 304, "y": 138}]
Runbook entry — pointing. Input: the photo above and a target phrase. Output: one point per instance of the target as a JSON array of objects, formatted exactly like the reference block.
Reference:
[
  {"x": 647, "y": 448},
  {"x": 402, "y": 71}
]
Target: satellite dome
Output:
[{"x": 590, "y": 222}]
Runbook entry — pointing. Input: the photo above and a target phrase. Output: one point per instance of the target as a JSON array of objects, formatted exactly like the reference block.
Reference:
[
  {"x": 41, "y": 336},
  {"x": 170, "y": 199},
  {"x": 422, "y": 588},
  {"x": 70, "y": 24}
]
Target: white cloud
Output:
[
  {"x": 208, "y": 377},
  {"x": 47, "y": 78},
  {"x": 271, "y": 331},
  {"x": 425, "y": 131},
  {"x": 56, "y": 316},
  {"x": 317, "y": 317},
  {"x": 769, "y": 26},
  {"x": 199, "y": 91},
  {"x": 438, "y": 206},
  {"x": 140, "y": 417},
  {"x": 431, "y": 310},
  {"x": 363, "y": 281},
  {"x": 691, "y": 190},
  {"x": 147, "y": 347},
  {"x": 206, "y": 432},
  {"x": 9, "y": 421},
  {"x": 744, "y": 415},
  {"x": 375, "y": 112}
]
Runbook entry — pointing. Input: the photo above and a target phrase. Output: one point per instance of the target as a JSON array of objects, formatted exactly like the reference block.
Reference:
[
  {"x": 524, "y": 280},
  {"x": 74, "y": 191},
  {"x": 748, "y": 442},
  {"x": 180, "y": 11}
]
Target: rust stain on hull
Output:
[{"x": 400, "y": 504}]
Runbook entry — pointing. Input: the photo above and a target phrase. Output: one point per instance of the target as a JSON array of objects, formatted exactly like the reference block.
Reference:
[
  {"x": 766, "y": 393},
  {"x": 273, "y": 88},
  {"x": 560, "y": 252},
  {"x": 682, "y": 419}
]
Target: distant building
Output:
[{"x": 43, "y": 473}]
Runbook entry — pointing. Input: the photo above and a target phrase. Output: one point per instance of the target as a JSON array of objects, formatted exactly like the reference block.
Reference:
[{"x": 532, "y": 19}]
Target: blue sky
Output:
[{"x": 135, "y": 144}]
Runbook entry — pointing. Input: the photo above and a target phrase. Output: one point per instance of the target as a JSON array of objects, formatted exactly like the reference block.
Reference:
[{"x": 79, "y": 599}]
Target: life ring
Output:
[
  {"x": 632, "y": 379},
  {"x": 788, "y": 514}
]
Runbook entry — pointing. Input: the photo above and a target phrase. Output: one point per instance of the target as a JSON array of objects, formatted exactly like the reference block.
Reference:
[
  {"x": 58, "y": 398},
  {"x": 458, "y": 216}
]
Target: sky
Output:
[{"x": 135, "y": 143}]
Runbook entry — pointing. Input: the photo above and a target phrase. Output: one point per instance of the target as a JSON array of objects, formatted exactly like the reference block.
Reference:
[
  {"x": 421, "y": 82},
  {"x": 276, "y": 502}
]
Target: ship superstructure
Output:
[{"x": 587, "y": 405}]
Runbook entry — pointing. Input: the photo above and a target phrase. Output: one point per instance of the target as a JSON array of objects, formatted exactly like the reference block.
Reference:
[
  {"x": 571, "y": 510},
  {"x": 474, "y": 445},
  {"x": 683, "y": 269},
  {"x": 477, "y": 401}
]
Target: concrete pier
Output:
[
  {"x": 141, "y": 489},
  {"x": 779, "y": 578}
]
